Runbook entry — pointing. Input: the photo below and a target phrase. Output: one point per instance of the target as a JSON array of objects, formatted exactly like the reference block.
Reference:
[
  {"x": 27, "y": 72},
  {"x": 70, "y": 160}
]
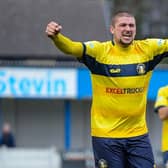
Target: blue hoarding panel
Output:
[
  {"x": 159, "y": 79},
  {"x": 84, "y": 84}
]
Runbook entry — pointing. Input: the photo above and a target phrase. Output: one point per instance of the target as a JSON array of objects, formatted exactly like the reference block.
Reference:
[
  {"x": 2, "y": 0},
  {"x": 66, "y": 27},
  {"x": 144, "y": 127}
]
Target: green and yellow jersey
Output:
[
  {"x": 120, "y": 78},
  {"x": 162, "y": 100}
]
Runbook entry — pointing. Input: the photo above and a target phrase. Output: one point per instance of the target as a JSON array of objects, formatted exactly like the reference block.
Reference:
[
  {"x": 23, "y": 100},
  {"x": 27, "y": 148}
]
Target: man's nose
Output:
[{"x": 128, "y": 27}]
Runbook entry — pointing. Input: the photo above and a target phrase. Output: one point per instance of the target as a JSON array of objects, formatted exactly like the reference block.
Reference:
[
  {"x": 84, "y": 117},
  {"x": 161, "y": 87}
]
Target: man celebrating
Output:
[{"x": 120, "y": 72}]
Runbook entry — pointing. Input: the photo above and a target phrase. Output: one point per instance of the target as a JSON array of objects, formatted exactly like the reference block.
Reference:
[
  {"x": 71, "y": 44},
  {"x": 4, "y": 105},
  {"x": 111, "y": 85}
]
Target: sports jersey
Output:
[
  {"x": 162, "y": 100},
  {"x": 120, "y": 78}
]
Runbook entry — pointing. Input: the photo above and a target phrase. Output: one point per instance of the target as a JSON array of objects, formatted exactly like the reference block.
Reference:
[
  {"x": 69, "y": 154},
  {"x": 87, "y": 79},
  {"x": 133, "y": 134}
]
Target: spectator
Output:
[{"x": 7, "y": 139}]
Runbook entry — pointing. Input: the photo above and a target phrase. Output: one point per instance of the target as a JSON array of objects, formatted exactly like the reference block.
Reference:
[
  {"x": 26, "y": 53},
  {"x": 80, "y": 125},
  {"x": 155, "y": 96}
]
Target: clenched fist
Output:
[{"x": 52, "y": 29}]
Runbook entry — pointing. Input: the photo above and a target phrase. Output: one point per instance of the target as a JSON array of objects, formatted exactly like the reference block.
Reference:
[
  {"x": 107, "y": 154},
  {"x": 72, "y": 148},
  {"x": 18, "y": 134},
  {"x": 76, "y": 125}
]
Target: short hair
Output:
[{"x": 121, "y": 14}]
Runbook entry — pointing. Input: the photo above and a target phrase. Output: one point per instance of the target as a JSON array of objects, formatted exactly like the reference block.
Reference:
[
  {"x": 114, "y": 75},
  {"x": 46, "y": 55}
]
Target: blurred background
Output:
[{"x": 45, "y": 95}]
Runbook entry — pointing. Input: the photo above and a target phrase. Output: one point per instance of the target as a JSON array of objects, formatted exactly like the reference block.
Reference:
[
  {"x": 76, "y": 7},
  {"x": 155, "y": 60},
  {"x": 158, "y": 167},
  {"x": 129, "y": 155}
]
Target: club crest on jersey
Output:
[{"x": 141, "y": 69}]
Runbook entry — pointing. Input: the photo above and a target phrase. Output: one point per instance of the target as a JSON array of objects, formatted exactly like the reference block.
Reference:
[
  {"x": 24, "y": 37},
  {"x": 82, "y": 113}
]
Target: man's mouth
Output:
[{"x": 127, "y": 36}]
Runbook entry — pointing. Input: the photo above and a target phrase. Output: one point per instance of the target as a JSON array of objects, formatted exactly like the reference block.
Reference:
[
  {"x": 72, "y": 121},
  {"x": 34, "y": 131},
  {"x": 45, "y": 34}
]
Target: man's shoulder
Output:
[
  {"x": 97, "y": 44},
  {"x": 157, "y": 41},
  {"x": 164, "y": 88}
]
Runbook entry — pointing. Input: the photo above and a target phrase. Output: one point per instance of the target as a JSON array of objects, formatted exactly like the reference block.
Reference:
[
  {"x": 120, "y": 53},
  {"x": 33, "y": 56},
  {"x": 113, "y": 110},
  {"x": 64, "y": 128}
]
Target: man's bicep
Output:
[
  {"x": 77, "y": 49},
  {"x": 161, "y": 98},
  {"x": 159, "y": 47}
]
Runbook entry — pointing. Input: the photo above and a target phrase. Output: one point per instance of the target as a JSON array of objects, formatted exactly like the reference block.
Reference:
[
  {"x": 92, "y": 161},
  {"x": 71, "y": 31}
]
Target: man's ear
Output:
[{"x": 112, "y": 29}]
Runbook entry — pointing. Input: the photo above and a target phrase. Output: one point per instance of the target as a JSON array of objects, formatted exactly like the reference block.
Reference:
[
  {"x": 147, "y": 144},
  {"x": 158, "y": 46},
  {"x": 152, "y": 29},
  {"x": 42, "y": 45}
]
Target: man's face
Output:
[{"x": 124, "y": 30}]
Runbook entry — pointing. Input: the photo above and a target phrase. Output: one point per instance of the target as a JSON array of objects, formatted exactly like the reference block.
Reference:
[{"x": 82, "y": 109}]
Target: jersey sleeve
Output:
[
  {"x": 161, "y": 100},
  {"x": 67, "y": 46},
  {"x": 92, "y": 50},
  {"x": 159, "y": 48}
]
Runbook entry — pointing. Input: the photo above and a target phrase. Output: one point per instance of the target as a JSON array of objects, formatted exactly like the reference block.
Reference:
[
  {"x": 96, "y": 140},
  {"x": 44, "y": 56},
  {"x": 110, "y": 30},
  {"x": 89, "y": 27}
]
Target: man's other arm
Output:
[{"x": 163, "y": 113}]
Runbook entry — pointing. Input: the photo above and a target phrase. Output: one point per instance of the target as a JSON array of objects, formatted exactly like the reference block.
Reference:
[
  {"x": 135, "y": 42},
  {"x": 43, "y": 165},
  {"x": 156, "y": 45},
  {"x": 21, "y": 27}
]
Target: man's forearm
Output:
[
  {"x": 163, "y": 113},
  {"x": 68, "y": 46}
]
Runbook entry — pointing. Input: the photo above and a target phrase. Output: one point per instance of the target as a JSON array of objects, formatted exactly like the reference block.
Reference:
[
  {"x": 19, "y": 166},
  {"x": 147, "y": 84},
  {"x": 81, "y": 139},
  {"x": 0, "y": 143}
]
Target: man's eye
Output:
[
  {"x": 131, "y": 25},
  {"x": 123, "y": 25}
]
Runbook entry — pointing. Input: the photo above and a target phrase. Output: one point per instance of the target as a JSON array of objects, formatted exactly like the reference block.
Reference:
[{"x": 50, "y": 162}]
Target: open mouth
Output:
[{"x": 127, "y": 36}]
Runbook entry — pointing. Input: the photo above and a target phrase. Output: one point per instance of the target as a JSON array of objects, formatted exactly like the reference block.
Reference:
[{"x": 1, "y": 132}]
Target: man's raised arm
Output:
[{"x": 65, "y": 44}]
